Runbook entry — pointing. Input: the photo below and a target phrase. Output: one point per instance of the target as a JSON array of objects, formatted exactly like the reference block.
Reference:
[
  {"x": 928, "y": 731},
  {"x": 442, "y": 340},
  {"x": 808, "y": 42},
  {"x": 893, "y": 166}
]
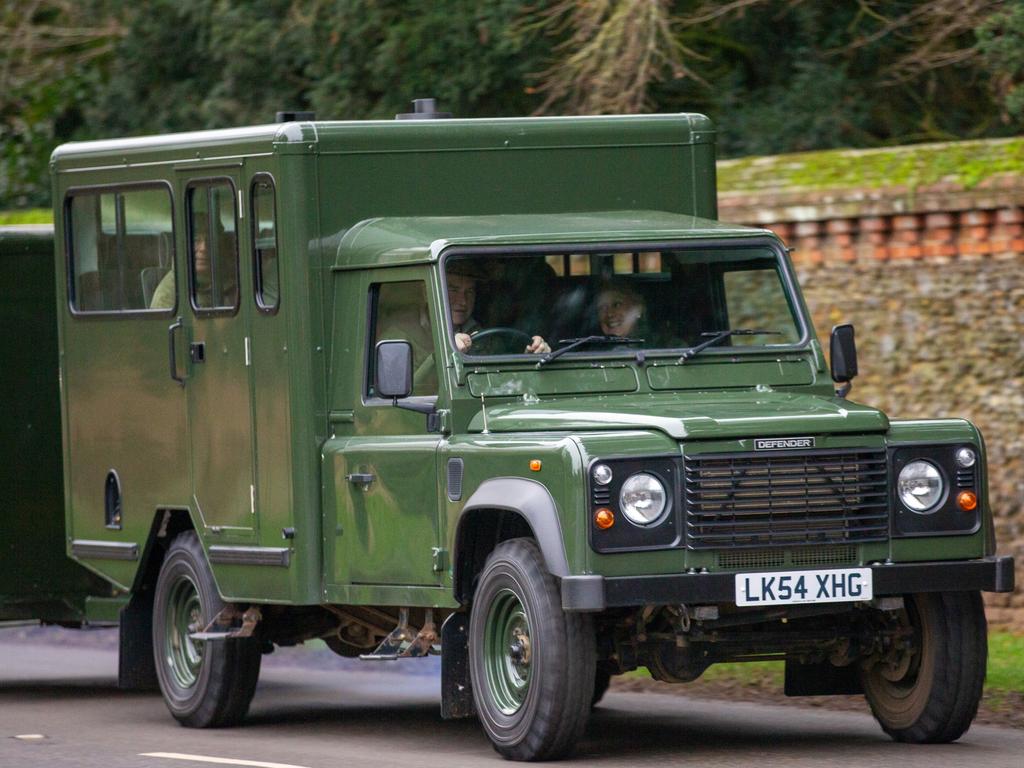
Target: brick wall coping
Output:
[{"x": 842, "y": 184}]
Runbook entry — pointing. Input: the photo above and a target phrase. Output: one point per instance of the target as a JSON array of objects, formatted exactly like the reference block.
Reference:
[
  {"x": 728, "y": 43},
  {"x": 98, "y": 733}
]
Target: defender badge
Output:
[{"x": 782, "y": 443}]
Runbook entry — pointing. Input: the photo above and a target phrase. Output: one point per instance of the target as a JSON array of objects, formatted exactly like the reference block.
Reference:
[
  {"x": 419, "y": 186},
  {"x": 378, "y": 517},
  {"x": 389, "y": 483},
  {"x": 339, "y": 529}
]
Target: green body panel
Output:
[
  {"x": 690, "y": 415},
  {"x": 270, "y": 441},
  {"x": 37, "y": 580}
]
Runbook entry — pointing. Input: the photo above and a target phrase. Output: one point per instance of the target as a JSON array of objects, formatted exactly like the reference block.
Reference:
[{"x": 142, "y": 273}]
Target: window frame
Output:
[
  {"x": 257, "y": 266},
  {"x": 369, "y": 361},
  {"x": 69, "y": 254},
  {"x": 217, "y": 311}
]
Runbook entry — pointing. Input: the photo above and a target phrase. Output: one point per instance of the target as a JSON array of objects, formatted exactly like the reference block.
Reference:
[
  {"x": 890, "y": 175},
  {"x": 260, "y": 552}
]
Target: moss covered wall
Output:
[{"x": 930, "y": 269}]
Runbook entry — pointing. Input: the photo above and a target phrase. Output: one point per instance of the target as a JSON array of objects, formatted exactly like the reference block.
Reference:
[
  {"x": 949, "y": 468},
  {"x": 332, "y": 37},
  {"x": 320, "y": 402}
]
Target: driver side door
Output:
[{"x": 389, "y": 516}]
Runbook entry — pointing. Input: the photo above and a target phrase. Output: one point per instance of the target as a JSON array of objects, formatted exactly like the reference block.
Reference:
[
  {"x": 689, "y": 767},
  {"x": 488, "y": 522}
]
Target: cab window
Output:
[{"x": 399, "y": 311}]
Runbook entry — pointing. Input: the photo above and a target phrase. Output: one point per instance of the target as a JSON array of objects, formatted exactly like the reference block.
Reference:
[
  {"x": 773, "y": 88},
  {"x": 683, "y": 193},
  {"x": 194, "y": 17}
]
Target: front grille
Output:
[
  {"x": 786, "y": 499},
  {"x": 747, "y": 559}
]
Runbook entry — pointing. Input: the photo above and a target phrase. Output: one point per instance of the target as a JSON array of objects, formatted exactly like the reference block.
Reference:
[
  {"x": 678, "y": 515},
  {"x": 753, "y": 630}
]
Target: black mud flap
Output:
[
  {"x": 822, "y": 679},
  {"x": 456, "y": 690},
  {"x": 136, "y": 668}
]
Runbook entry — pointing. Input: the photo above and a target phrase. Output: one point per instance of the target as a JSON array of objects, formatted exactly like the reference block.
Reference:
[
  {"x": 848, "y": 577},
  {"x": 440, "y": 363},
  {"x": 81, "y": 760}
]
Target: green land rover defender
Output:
[{"x": 503, "y": 390}]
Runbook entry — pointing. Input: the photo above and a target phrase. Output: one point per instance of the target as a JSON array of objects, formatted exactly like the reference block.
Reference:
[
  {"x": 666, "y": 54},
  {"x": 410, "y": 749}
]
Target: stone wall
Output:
[{"x": 930, "y": 269}]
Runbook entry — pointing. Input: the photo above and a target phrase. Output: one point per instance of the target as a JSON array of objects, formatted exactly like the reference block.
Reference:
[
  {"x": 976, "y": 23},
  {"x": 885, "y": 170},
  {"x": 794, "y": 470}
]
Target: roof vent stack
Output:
[
  {"x": 291, "y": 117},
  {"x": 424, "y": 109}
]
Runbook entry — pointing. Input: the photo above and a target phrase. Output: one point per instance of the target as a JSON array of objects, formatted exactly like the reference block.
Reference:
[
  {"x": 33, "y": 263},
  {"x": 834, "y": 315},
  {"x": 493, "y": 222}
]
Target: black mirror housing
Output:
[
  {"x": 393, "y": 371},
  {"x": 843, "y": 353}
]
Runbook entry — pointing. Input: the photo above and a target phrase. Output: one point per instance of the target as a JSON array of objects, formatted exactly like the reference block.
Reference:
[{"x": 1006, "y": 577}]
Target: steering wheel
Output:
[{"x": 512, "y": 334}]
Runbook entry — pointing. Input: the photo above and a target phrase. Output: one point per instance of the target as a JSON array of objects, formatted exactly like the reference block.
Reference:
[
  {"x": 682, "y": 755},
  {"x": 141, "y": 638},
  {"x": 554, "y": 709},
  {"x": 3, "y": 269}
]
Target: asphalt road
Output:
[{"x": 59, "y": 706}]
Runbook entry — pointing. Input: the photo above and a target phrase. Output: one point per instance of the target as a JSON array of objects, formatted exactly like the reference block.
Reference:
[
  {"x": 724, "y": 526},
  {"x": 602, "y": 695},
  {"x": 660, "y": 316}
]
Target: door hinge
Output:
[
  {"x": 440, "y": 559},
  {"x": 252, "y": 499},
  {"x": 248, "y": 352}
]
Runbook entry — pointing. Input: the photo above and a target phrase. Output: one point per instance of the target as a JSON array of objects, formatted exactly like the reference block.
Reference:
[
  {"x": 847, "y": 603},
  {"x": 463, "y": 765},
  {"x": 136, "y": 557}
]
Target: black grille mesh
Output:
[{"x": 786, "y": 499}]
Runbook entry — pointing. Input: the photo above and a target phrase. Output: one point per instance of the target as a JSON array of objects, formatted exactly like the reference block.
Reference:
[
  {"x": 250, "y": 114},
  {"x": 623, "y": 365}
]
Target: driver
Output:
[{"x": 462, "y": 300}]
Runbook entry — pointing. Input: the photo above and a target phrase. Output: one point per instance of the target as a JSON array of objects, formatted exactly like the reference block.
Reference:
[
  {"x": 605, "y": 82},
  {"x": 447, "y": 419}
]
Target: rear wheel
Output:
[
  {"x": 927, "y": 688},
  {"x": 204, "y": 684},
  {"x": 532, "y": 664}
]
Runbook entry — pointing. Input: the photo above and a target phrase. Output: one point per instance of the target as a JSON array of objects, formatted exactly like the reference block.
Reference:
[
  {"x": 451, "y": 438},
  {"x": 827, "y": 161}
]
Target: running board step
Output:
[{"x": 401, "y": 643}]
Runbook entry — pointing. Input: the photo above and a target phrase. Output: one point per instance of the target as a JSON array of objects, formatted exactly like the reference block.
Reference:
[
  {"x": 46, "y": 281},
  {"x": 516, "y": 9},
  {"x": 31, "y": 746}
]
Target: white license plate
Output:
[{"x": 795, "y": 587}]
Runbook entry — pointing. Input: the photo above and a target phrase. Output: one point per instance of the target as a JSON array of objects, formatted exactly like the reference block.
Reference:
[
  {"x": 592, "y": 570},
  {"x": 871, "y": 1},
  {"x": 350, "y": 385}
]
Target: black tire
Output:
[
  {"x": 554, "y": 657},
  {"x": 931, "y": 696},
  {"x": 602, "y": 679},
  {"x": 204, "y": 684}
]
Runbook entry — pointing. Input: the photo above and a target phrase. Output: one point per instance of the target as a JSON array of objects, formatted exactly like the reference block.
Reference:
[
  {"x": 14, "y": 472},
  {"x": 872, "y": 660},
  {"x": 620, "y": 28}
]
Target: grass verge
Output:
[
  {"x": 27, "y": 216},
  {"x": 762, "y": 681}
]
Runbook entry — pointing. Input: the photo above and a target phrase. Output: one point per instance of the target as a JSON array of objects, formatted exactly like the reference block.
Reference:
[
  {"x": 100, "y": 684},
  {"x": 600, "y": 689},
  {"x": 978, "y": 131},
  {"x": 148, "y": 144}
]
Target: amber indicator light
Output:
[
  {"x": 968, "y": 500},
  {"x": 604, "y": 518},
  {"x": 535, "y": 465}
]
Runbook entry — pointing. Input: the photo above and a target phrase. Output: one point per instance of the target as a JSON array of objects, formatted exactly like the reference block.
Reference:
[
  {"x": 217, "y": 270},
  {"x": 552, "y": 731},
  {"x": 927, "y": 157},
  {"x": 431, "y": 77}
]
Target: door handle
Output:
[
  {"x": 172, "y": 356},
  {"x": 360, "y": 478}
]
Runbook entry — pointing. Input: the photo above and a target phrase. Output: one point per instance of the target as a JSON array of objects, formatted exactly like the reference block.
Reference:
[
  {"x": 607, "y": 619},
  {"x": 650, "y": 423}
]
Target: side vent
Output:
[
  {"x": 112, "y": 501},
  {"x": 455, "y": 468}
]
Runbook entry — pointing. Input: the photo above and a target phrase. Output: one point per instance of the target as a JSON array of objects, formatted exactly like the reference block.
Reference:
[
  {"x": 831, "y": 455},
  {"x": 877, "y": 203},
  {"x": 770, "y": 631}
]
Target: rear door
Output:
[
  {"x": 219, "y": 381},
  {"x": 125, "y": 418}
]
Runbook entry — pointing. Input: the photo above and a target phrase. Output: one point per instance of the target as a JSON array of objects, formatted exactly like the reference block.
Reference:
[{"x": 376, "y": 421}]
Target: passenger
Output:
[
  {"x": 620, "y": 310},
  {"x": 163, "y": 296}
]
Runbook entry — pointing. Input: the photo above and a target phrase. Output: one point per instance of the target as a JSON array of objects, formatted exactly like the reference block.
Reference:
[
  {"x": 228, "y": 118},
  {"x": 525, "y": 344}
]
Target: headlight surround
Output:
[
  {"x": 920, "y": 486},
  {"x": 643, "y": 499}
]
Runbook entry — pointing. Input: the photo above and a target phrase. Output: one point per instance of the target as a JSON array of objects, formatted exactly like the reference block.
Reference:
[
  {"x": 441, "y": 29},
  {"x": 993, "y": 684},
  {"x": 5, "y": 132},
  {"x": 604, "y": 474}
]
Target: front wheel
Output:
[
  {"x": 926, "y": 689},
  {"x": 206, "y": 684},
  {"x": 532, "y": 664}
]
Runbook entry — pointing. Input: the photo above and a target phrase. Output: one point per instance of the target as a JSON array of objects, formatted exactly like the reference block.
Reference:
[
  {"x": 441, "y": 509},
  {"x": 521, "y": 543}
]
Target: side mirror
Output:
[
  {"x": 393, "y": 371},
  {"x": 843, "y": 356}
]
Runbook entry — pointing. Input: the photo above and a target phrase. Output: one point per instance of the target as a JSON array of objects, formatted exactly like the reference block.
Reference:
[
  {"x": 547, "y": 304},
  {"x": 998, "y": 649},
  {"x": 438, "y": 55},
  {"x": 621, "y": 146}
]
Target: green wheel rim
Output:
[
  {"x": 184, "y": 616},
  {"x": 508, "y": 652}
]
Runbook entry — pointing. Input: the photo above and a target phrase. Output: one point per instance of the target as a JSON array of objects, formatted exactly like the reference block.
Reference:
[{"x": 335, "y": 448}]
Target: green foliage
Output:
[
  {"x": 1001, "y": 42},
  {"x": 776, "y": 75}
]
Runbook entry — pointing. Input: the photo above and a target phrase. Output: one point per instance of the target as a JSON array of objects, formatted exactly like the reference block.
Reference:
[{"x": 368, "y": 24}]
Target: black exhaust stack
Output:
[
  {"x": 291, "y": 117},
  {"x": 424, "y": 109}
]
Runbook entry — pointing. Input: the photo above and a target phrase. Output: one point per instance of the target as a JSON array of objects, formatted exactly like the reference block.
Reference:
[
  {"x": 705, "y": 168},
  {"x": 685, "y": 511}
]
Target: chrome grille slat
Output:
[{"x": 787, "y": 499}]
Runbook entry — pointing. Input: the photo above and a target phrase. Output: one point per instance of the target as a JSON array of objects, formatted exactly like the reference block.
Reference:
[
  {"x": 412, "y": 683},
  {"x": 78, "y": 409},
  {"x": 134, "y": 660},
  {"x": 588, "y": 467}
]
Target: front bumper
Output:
[{"x": 595, "y": 593}]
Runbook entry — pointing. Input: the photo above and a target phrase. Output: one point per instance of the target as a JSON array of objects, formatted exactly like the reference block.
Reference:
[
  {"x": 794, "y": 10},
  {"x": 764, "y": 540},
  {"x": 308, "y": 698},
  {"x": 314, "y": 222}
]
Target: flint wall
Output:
[{"x": 922, "y": 248}]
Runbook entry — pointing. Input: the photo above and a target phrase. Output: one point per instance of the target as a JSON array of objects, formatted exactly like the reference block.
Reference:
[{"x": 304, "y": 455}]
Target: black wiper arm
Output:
[
  {"x": 572, "y": 344},
  {"x": 719, "y": 336}
]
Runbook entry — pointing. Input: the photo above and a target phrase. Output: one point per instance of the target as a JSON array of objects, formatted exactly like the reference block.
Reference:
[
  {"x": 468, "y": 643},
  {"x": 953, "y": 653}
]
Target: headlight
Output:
[
  {"x": 643, "y": 499},
  {"x": 920, "y": 486}
]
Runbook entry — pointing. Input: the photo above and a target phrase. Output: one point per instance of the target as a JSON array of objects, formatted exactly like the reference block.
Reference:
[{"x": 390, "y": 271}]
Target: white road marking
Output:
[
  {"x": 218, "y": 760},
  {"x": 30, "y": 736}
]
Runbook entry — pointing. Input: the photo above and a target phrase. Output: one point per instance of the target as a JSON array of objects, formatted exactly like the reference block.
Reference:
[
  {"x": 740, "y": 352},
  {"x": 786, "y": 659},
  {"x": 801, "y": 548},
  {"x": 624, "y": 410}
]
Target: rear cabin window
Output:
[
  {"x": 264, "y": 239},
  {"x": 400, "y": 312},
  {"x": 121, "y": 245},
  {"x": 213, "y": 246}
]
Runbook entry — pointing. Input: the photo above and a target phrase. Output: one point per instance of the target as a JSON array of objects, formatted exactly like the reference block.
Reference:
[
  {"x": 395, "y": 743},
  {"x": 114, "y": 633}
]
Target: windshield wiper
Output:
[
  {"x": 572, "y": 344},
  {"x": 720, "y": 336}
]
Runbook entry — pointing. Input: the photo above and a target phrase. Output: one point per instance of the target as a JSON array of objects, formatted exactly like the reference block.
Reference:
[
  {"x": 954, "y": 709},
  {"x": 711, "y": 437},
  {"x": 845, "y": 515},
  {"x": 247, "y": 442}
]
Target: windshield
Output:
[{"x": 617, "y": 302}]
